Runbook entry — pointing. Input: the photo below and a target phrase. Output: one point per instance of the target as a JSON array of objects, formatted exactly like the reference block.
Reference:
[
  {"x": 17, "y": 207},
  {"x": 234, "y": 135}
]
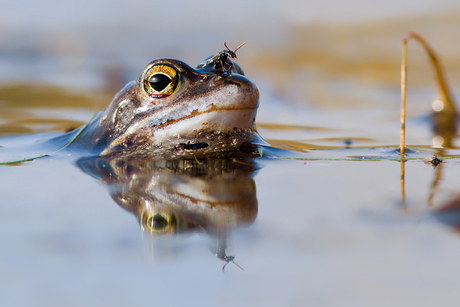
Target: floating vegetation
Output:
[{"x": 18, "y": 162}]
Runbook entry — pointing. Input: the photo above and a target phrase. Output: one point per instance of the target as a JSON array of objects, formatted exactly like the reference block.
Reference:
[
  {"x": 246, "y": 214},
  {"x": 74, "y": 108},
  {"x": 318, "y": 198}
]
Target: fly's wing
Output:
[{"x": 207, "y": 65}]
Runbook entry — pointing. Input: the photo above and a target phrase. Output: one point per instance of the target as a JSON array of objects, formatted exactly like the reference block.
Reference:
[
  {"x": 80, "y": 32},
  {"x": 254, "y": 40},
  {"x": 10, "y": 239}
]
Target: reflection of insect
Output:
[
  {"x": 228, "y": 259},
  {"x": 221, "y": 58}
]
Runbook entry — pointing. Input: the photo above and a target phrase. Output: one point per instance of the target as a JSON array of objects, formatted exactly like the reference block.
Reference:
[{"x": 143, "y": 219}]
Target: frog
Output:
[
  {"x": 172, "y": 110},
  {"x": 174, "y": 107}
]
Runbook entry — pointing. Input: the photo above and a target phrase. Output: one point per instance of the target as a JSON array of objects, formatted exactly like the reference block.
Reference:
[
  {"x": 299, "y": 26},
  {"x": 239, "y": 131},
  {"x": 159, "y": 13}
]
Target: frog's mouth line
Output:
[
  {"x": 226, "y": 121},
  {"x": 195, "y": 113}
]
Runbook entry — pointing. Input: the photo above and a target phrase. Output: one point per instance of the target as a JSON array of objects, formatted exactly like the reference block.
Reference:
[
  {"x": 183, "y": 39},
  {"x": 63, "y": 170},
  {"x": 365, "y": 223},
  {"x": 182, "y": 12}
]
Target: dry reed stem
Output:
[
  {"x": 441, "y": 83},
  {"x": 402, "y": 143}
]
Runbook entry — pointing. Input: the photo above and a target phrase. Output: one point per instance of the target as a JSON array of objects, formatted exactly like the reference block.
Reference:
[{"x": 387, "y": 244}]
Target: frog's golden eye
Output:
[
  {"x": 160, "y": 81},
  {"x": 159, "y": 223}
]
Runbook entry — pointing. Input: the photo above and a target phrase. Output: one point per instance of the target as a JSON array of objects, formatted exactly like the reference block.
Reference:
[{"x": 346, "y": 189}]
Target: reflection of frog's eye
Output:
[
  {"x": 159, "y": 223},
  {"x": 160, "y": 81}
]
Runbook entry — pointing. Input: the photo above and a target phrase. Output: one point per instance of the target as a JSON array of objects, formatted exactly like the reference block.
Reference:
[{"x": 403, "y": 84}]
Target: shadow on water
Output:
[{"x": 210, "y": 195}]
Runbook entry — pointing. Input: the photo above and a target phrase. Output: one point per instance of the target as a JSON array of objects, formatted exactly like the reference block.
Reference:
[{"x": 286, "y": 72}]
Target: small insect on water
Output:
[
  {"x": 221, "y": 58},
  {"x": 433, "y": 161}
]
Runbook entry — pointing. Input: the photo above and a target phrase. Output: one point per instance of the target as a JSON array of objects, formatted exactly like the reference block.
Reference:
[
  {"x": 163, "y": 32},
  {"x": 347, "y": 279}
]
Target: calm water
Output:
[{"x": 77, "y": 231}]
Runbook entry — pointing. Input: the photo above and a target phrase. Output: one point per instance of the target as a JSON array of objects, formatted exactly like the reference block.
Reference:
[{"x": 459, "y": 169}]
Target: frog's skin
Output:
[{"x": 206, "y": 111}]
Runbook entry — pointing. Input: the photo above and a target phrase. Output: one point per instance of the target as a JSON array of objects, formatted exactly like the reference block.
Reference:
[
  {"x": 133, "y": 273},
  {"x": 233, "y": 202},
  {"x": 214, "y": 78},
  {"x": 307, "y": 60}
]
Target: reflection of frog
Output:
[
  {"x": 168, "y": 197},
  {"x": 174, "y": 196},
  {"x": 176, "y": 107}
]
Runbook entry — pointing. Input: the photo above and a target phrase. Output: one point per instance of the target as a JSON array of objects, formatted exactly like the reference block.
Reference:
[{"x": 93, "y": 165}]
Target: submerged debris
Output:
[{"x": 348, "y": 142}]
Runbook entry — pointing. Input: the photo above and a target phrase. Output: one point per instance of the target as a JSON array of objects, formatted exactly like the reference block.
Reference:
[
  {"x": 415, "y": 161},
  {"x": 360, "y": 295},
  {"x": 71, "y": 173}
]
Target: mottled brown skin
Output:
[{"x": 208, "y": 108}]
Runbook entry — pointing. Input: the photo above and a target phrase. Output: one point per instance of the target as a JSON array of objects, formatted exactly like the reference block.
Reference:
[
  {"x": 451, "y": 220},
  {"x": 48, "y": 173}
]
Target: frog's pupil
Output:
[{"x": 159, "y": 82}]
